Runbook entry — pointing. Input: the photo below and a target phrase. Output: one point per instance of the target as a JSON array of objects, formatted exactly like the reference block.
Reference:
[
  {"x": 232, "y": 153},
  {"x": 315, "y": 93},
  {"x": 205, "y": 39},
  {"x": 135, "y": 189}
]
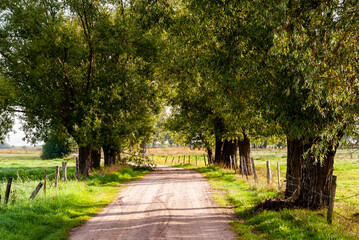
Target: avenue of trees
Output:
[{"x": 231, "y": 72}]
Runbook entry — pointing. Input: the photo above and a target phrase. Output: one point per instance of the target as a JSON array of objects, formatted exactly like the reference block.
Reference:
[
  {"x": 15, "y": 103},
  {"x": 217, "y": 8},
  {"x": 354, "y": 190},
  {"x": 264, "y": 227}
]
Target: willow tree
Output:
[
  {"x": 61, "y": 55},
  {"x": 196, "y": 113},
  {"x": 211, "y": 41},
  {"x": 304, "y": 71}
]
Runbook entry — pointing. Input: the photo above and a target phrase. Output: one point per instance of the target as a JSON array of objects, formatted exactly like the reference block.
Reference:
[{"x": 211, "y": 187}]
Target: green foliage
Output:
[
  {"x": 86, "y": 69},
  {"x": 6, "y": 99},
  {"x": 56, "y": 149}
]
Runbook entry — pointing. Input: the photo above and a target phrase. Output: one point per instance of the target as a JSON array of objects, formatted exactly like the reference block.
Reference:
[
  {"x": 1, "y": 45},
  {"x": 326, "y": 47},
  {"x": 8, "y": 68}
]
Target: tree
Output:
[
  {"x": 6, "y": 116},
  {"x": 61, "y": 55},
  {"x": 301, "y": 81},
  {"x": 210, "y": 43},
  {"x": 56, "y": 148}
]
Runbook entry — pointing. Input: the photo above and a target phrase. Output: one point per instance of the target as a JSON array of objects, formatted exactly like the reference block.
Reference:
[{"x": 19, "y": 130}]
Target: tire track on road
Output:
[{"x": 169, "y": 203}]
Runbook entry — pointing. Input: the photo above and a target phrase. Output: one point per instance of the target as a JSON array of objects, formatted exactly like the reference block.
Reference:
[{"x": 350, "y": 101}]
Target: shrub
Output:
[{"x": 56, "y": 149}]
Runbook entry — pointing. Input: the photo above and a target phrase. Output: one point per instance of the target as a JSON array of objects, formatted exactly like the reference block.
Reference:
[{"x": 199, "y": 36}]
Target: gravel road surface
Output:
[{"x": 169, "y": 203}]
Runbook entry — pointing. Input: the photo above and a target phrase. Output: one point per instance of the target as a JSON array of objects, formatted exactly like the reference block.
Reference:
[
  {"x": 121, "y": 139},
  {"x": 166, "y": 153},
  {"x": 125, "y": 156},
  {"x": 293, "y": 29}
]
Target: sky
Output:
[{"x": 15, "y": 139}]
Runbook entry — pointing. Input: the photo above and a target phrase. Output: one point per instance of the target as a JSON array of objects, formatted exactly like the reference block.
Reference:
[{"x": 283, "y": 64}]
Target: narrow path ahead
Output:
[{"x": 169, "y": 203}]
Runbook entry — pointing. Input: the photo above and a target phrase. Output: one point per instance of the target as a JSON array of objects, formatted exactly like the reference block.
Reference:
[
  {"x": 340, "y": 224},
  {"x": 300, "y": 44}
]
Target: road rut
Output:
[{"x": 169, "y": 203}]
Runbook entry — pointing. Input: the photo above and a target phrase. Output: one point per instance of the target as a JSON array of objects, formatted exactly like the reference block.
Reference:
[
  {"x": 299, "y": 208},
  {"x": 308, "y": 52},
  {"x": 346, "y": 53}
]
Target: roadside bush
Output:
[{"x": 56, "y": 149}]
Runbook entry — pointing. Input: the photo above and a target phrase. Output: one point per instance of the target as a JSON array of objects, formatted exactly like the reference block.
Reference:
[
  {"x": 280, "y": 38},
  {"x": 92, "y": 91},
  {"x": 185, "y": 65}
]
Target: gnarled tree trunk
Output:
[
  {"x": 316, "y": 180},
  {"x": 96, "y": 158},
  {"x": 229, "y": 151},
  {"x": 295, "y": 151},
  {"x": 245, "y": 152},
  {"x": 85, "y": 160}
]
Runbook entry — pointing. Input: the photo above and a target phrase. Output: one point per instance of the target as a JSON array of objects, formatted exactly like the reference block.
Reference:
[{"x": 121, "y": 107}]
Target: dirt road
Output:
[{"x": 169, "y": 203}]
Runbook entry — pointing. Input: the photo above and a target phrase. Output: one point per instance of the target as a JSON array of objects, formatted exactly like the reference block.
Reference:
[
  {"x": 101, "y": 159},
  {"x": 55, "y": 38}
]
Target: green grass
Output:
[
  {"x": 233, "y": 191},
  {"x": 243, "y": 196},
  {"x": 67, "y": 206}
]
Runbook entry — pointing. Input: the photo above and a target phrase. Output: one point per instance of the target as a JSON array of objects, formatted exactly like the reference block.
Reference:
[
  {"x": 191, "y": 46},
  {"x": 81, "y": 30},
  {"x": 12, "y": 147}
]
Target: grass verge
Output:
[
  {"x": 233, "y": 191},
  {"x": 53, "y": 215}
]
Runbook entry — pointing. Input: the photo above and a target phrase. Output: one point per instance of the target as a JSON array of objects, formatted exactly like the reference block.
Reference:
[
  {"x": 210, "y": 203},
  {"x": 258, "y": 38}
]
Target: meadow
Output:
[
  {"x": 54, "y": 214},
  {"x": 243, "y": 196}
]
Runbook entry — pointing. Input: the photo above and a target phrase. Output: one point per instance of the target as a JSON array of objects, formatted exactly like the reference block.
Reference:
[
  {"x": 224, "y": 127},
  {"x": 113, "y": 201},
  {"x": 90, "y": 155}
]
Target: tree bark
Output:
[
  {"x": 96, "y": 158},
  {"x": 209, "y": 155},
  {"x": 316, "y": 179},
  {"x": 219, "y": 132},
  {"x": 229, "y": 151},
  {"x": 245, "y": 153},
  {"x": 109, "y": 155},
  {"x": 85, "y": 160},
  {"x": 295, "y": 151},
  {"x": 218, "y": 150}
]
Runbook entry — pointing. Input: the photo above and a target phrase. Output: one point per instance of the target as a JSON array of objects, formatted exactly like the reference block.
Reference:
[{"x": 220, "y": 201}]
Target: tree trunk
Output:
[
  {"x": 96, "y": 158},
  {"x": 143, "y": 148},
  {"x": 316, "y": 180},
  {"x": 245, "y": 152},
  {"x": 209, "y": 155},
  {"x": 218, "y": 150},
  {"x": 85, "y": 160},
  {"x": 229, "y": 151},
  {"x": 109, "y": 155},
  {"x": 295, "y": 151}
]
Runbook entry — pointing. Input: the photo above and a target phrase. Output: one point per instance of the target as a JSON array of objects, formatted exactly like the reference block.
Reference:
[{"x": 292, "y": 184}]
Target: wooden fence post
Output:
[
  {"x": 331, "y": 199},
  {"x": 278, "y": 172},
  {"x": 179, "y": 159},
  {"x": 184, "y": 159},
  {"x": 37, "y": 189},
  {"x": 269, "y": 175},
  {"x": 242, "y": 167},
  {"x": 64, "y": 171},
  {"x": 166, "y": 160},
  {"x": 235, "y": 164},
  {"x": 57, "y": 174},
  {"x": 196, "y": 160},
  {"x": 189, "y": 159},
  {"x": 45, "y": 178},
  {"x": 173, "y": 158},
  {"x": 230, "y": 161},
  {"x": 254, "y": 171},
  {"x": 245, "y": 165},
  {"x": 8, "y": 188},
  {"x": 204, "y": 159},
  {"x": 77, "y": 168}
]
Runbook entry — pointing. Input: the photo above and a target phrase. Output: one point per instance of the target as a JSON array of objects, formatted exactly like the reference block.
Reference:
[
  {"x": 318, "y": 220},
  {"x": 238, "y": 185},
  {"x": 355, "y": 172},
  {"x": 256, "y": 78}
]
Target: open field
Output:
[
  {"x": 174, "y": 151},
  {"x": 51, "y": 216},
  {"x": 297, "y": 223},
  {"x": 27, "y": 151}
]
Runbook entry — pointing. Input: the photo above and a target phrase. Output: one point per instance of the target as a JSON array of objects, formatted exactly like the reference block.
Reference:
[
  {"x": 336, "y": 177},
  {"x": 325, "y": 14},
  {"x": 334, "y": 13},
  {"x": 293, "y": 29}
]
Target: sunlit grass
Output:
[
  {"x": 51, "y": 216},
  {"x": 243, "y": 195}
]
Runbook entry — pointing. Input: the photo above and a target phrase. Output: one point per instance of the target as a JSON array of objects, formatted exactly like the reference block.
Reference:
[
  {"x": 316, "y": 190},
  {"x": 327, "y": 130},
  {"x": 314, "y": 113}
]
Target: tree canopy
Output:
[{"x": 231, "y": 73}]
